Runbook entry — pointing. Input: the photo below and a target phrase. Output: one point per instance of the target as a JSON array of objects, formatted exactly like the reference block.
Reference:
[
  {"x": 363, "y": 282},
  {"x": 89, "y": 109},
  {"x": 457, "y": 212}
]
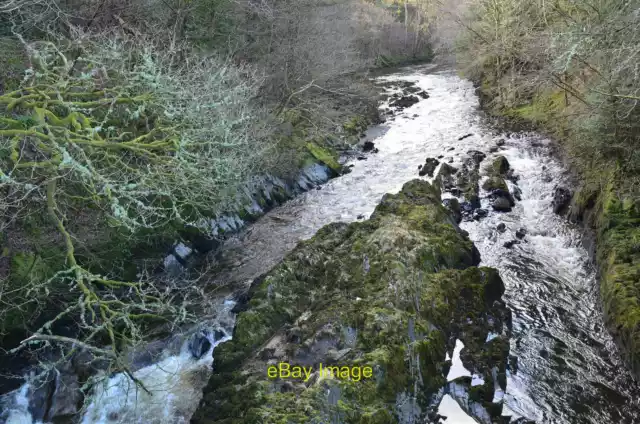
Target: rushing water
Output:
[{"x": 568, "y": 369}]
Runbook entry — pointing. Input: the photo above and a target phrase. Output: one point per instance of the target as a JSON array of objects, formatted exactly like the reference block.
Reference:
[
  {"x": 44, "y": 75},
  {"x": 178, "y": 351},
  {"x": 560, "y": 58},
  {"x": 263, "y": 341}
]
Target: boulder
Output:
[
  {"x": 368, "y": 146},
  {"x": 199, "y": 345},
  {"x": 467, "y": 180},
  {"x": 511, "y": 243},
  {"x": 405, "y": 102},
  {"x": 561, "y": 199},
  {"x": 66, "y": 397},
  {"x": 480, "y": 213},
  {"x": 502, "y": 227},
  {"x": 500, "y": 165},
  {"x": 430, "y": 165},
  {"x": 350, "y": 314},
  {"x": 501, "y": 204},
  {"x": 454, "y": 207},
  {"x": 521, "y": 233},
  {"x": 477, "y": 156},
  {"x": 495, "y": 183},
  {"x": 444, "y": 179}
]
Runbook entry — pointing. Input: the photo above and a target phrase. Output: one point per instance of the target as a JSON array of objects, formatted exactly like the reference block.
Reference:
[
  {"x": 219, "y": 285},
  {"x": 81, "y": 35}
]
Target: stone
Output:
[
  {"x": 521, "y": 233},
  {"x": 476, "y": 156},
  {"x": 66, "y": 396},
  {"x": 453, "y": 205},
  {"x": 423, "y": 94},
  {"x": 500, "y": 142},
  {"x": 501, "y": 204},
  {"x": 480, "y": 213},
  {"x": 500, "y": 165},
  {"x": 430, "y": 165},
  {"x": 405, "y": 102},
  {"x": 199, "y": 345},
  {"x": 517, "y": 193},
  {"x": 511, "y": 243},
  {"x": 502, "y": 227},
  {"x": 561, "y": 199},
  {"x": 464, "y": 136},
  {"x": 368, "y": 146},
  {"x": 495, "y": 183}
]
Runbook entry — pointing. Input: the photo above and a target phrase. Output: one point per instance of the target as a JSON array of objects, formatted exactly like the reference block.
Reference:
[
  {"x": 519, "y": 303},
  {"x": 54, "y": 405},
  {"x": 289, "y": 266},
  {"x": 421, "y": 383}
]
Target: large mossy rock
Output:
[{"x": 392, "y": 293}]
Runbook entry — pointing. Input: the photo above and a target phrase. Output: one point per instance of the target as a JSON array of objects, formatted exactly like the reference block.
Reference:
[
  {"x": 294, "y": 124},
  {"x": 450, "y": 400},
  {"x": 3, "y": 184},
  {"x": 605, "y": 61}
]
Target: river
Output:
[{"x": 564, "y": 366}]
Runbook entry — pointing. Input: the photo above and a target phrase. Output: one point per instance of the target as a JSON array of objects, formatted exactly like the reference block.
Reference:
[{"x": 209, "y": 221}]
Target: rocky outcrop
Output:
[{"x": 390, "y": 296}]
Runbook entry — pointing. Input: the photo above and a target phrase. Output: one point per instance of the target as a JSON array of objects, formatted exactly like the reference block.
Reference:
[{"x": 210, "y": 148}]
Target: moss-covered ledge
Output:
[
  {"x": 392, "y": 293},
  {"x": 618, "y": 254}
]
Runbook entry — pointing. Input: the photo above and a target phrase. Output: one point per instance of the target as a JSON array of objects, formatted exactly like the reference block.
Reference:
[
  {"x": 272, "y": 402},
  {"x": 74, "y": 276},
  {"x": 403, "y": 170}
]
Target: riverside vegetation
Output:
[
  {"x": 571, "y": 68},
  {"x": 125, "y": 125}
]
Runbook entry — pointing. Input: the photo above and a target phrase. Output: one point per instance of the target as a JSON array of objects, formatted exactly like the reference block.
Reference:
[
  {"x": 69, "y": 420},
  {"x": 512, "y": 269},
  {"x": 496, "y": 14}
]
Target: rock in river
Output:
[
  {"x": 430, "y": 165},
  {"x": 385, "y": 329},
  {"x": 501, "y": 204},
  {"x": 368, "y": 146},
  {"x": 561, "y": 199},
  {"x": 405, "y": 102}
]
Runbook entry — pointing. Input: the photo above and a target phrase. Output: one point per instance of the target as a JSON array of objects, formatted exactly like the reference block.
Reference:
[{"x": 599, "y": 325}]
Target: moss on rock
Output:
[
  {"x": 495, "y": 183},
  {"x": 356, "y": 125},
  {"x": 619, "y": 259},
  {"x": 391, "y": 293},
  {"x": 325, "y": 156}
]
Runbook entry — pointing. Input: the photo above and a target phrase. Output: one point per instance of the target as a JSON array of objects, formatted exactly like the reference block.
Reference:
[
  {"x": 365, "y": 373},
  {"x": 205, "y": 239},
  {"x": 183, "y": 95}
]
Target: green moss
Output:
[
  {"x": 495, "y": 183},
  {"x": 544, "y": 108},
  {"x": 500, "y": 166},
  {"x": 403, "y": 282},
  {"x": 325, "y": 156},
  {"x": 619, "y": 259},
  {"x": 356, "y": 125}
]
